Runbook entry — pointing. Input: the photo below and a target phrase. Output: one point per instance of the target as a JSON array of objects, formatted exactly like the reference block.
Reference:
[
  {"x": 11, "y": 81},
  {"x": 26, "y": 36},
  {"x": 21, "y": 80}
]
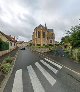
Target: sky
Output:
[{"x": 20, "y": 17}]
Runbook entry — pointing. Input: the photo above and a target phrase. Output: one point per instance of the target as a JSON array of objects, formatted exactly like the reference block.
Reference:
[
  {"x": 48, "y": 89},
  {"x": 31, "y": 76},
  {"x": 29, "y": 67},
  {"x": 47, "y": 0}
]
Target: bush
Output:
[
  {"x": 5, "y": 68},
  {"x": 8, "y": 60},
  {"x": 3, "y": 45},
  {"x": 78, "y": 55}
]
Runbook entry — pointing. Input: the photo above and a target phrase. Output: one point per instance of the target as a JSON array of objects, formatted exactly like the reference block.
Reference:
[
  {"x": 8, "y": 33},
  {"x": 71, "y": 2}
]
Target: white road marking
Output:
[
  {"x": 51, "y": 80},
  {"x": 53, "y": 63},
  {"x": 18, "y": 84},
  {"x": 37, "y": 87},
  {"x": 50, "y": 67},
  {"x": 67, "y": 68},
  {"x": 72, "y": 70}
]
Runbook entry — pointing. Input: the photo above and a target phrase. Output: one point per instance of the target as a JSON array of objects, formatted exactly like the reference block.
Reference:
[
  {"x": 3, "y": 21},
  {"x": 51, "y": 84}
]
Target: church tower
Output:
[{"x": 45, "y": 26}]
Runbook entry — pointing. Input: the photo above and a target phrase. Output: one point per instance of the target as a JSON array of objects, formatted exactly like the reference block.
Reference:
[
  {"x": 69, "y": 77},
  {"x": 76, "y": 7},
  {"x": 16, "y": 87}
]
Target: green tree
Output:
[
  {"x": 75, "y": 36},
  {"x": 65, "y": 39}
]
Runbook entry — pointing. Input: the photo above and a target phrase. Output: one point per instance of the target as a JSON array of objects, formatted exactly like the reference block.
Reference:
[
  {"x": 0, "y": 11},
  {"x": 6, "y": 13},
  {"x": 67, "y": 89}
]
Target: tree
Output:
[
  {"x": 65, "y": 39},
  {"x": 75, "y": 36}
]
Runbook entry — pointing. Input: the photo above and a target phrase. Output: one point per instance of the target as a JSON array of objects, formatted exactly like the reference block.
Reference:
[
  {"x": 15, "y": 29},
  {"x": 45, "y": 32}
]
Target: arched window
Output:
[
  {"x": 43, "y": 34},
  {"x": 38, "y": 34}
]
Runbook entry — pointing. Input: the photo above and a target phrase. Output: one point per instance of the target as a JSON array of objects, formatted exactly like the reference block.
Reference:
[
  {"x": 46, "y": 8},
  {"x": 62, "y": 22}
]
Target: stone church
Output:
[{"x": 42, "y": 36}]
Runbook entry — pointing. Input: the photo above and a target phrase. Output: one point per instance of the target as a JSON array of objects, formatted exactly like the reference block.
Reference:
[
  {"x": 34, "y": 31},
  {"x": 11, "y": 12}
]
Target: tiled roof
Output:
[
  {"x": 50, "y": 30},
  {"x": 20, "y": 42},
  {"x": 8, "y": 37}
]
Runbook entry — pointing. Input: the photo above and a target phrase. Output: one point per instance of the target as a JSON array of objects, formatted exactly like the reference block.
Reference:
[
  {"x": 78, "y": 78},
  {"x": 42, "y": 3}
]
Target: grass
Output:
[
  {"x": 42, "y": 46},
  {"x": 8, "y": 59},
  {"x": 5, "y": 68}
]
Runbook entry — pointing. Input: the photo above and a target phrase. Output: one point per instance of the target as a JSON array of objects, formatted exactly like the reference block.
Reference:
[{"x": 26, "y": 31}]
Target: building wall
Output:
[
  {"x": 11, "y": 47},
  {"x": 49, "y": 37},
  {"x": 11, "y": 44}
]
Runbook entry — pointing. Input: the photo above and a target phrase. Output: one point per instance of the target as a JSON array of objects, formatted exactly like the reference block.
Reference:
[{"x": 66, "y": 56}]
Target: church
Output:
[{"x": 42, "y": 36}]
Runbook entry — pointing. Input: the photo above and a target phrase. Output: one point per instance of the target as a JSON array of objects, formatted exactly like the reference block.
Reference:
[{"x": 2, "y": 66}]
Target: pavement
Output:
[
  {"x": 12, "y": 54},
  {"x": 34, "y": 73}
]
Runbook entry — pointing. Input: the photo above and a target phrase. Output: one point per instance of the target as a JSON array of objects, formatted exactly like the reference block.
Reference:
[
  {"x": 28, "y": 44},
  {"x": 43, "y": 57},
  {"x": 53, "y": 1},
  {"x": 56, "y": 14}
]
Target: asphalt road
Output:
[{"x": 34, "y": 73}]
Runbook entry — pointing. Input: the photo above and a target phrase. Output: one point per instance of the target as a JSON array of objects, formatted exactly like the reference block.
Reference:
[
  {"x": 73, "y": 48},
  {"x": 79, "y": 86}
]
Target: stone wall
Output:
[
  {"x": 6, "y": 51},
  {"x": 41, "y": 50}
]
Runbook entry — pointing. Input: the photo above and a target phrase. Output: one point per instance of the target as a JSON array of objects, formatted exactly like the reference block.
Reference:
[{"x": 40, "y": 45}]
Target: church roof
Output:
[
  {"x": 40, "y": 25},
  {"x": 50, "y": 30}
]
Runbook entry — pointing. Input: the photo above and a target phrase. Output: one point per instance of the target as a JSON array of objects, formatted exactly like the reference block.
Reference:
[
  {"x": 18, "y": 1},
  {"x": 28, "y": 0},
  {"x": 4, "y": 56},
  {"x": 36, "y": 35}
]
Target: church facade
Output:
[{"x": 43, "y": 36}]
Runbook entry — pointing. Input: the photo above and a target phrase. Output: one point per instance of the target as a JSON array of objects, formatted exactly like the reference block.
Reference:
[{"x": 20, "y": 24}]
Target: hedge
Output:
[{"x": 4, "y": 45}]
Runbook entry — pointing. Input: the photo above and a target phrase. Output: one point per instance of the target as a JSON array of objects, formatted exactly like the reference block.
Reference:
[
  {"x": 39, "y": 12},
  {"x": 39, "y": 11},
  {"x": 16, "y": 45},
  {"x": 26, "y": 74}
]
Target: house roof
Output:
[
  {"x": 8, "y": 37},
  {"x": 50, "y": 30},
  {"x": 20, "y": 42}
]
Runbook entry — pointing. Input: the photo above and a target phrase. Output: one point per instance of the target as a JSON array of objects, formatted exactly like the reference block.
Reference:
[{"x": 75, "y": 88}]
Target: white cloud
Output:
[
  {"x": 20, "y": 17},
  {"x": 21, "y": 38}
]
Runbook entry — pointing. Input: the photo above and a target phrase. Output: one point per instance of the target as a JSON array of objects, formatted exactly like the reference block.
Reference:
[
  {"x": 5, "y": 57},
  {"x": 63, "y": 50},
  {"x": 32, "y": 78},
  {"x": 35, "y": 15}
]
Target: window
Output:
[
  {"x": 14, "y": 44},
  {"x": 50, "y": 41},
  {"x": 11, "y": 43},
  {"x": 38, "y": 34},
  {"x": 43, "y": 34}
]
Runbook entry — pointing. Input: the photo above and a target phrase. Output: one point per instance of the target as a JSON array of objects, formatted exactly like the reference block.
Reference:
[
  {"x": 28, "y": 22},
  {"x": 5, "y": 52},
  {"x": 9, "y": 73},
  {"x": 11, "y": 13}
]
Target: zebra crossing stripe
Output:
[
  {"x": 51, "y": 80},
  {"x": 37, "y": 87},
  {"x": 50, "y": 67},
  {"x": 18, "y": 85},
  {"x": 53, "y": 63}
]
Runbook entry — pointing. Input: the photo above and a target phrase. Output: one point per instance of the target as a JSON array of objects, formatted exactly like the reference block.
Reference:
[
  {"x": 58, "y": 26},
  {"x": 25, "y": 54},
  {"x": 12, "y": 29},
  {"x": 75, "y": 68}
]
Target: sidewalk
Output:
[{"x": 12, "y": 54}]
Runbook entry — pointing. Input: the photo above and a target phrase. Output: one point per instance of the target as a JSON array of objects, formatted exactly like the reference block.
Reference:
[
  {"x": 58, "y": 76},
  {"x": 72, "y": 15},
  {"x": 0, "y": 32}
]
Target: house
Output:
[
  {"x": 22, "y": 44},
  {"x": 30, "y": 43},
  {"x": 9, "y": 39},
  {"x": 43, "y": 36}
]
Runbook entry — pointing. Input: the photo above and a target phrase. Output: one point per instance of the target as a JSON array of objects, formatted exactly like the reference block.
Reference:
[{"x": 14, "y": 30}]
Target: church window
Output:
[
  {"x": 38, "y": 34},
  {"x": 43, "y": 34}
]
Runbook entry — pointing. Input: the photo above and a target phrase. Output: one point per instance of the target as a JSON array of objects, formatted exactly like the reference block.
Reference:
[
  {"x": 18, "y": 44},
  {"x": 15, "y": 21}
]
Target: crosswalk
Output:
[
  {"x": 36, "y": 84},
  {"x": 34, "y": 80},
  {"x": 18, "y": 85}
]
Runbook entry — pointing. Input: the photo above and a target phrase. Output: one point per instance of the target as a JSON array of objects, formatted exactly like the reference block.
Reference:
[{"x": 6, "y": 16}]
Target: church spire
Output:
[{"x": 45, "y": 25}]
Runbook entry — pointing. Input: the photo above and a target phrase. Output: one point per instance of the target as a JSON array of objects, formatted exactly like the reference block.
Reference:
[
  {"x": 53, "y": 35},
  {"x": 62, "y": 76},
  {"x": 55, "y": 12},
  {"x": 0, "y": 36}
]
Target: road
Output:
[{"x": 35, "y": 73}]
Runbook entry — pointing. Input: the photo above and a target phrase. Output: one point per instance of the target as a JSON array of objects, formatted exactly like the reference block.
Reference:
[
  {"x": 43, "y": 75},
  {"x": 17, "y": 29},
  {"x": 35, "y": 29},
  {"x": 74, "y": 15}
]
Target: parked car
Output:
[{"x": 22, "y": 48}]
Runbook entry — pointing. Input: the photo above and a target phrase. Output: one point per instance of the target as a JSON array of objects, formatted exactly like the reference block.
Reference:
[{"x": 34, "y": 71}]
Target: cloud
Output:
[{"x": 20, "y": 17}]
